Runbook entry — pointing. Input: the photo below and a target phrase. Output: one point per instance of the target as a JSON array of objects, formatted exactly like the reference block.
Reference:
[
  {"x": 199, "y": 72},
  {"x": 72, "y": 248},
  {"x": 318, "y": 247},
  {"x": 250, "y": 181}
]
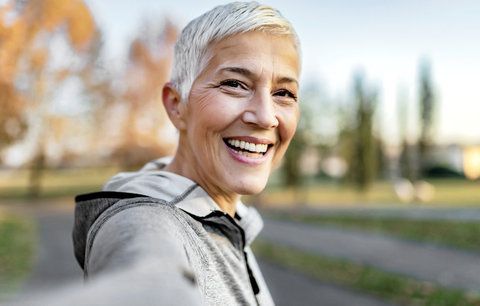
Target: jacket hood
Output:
[
  {"x": 153, "y": 183},
  {"x": 87, "y": 209}
]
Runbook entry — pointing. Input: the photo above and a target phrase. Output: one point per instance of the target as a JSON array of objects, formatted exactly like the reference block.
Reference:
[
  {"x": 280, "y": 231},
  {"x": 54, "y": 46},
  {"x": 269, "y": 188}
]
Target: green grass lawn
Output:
[
  {"x": 458, "y": 234},
  {"x": 55, "y": 183},
  {"x": 448, "y": 192},
  {"x": 390, "y": 286},
  {"x": 16, "y": 252},
  {"x": 68, "y": 182}
]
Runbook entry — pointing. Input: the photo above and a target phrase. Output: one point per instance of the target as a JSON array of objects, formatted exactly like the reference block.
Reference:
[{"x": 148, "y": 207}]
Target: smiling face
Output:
[{"x": 241, "y": 114}]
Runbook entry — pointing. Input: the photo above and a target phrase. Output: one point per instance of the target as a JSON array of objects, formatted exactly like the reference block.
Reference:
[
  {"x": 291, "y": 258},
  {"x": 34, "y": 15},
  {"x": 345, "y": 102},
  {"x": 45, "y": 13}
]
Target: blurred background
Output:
[{"x": 377, "y": 200}]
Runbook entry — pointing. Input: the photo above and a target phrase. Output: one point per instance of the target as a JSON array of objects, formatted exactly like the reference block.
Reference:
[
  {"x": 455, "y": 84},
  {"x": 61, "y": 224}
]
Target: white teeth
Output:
[{"x": 259, "y": 148}]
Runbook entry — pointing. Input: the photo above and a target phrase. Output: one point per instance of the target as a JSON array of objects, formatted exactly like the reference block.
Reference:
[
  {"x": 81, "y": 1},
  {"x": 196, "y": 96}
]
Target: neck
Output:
[{"x": 187, "y": 167}]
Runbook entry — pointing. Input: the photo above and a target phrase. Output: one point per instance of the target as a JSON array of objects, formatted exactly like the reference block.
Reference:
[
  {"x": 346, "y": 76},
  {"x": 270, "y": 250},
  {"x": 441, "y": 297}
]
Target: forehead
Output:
[{"x": 258, "y": 51}]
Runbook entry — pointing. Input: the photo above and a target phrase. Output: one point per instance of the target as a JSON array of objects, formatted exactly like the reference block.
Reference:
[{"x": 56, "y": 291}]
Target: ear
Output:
[{"x": 174, "y": 106}]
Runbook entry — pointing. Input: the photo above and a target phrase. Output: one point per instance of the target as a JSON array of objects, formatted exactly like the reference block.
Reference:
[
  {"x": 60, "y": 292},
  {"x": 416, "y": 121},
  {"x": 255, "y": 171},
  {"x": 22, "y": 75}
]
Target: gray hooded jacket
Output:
[{"x": 164, "y": 231}]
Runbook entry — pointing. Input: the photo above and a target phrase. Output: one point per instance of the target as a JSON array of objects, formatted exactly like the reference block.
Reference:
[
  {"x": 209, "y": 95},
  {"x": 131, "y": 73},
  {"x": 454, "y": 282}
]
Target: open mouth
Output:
[{"x": 247, "y": 148}]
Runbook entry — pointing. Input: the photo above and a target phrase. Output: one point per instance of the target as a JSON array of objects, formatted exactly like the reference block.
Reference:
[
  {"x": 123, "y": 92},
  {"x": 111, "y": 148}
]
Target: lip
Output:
[{"x": 245, "y": 159}]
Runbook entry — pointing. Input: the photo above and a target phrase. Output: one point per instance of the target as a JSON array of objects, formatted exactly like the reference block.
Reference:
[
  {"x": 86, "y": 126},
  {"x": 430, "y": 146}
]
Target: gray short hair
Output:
[{"x": 217, "y": 24}]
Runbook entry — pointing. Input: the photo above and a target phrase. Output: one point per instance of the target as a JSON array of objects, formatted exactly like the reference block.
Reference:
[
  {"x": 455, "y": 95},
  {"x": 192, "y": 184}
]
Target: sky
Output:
[{"x": 385, "y": 39}]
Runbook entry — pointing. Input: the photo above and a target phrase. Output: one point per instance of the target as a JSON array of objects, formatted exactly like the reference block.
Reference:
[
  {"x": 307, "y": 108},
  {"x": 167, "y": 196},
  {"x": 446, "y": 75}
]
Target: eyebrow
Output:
[
  {"x": 249, "y": 74},
  {"x": 287, "y": 80},
  {"x": 243, "y": 71}
]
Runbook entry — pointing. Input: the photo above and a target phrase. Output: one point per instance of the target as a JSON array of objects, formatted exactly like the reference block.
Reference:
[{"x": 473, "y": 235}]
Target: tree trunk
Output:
[{"x": 36, "y": 174}]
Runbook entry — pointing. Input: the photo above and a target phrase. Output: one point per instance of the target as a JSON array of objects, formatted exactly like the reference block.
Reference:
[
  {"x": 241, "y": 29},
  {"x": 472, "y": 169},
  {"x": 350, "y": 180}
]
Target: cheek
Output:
[{"x": 212, "y": 112}]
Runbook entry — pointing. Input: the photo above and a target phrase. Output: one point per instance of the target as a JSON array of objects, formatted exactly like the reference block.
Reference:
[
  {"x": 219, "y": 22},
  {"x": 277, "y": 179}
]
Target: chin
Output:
[{"x": 250, "y": 187}]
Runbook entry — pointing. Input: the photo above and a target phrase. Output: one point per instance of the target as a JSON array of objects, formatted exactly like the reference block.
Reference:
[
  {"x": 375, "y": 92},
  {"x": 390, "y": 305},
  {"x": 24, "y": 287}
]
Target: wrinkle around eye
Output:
[{"x": 234, "y": 87}]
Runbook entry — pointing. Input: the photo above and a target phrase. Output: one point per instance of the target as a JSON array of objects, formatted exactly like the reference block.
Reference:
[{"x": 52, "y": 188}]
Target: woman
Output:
[{"x": 178, "y": 224}]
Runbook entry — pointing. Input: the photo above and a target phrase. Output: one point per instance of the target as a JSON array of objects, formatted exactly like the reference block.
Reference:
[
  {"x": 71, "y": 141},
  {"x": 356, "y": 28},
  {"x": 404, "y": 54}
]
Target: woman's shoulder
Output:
[{"x": 118, "y": 213}]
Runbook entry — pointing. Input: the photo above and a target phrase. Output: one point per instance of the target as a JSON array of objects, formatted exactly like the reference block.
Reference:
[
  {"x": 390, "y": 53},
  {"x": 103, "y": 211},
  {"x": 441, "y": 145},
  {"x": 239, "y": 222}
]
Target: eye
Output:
[
  {"x": 285, "y": 94},
  {"x": 233, "y": 84}
]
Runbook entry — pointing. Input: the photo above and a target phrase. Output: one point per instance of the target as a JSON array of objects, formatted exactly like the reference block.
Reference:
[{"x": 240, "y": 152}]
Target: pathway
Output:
[{"x": 449, "y": 267}]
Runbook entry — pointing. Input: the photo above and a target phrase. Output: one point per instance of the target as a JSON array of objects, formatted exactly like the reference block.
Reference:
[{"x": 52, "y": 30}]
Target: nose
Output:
[{"x": 261, "y": 111}]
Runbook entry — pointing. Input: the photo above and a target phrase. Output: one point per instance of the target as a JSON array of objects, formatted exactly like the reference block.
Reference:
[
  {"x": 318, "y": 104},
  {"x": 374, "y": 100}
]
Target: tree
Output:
[
  {"x": 148, "y": 69},
  {"x": 42, "y": 44},
  {"x": 363, "y": 145},
  {"x": 427, "y": 108},
  {"x": 406, "y": 158},
  {"x": 291, "y": 166}
]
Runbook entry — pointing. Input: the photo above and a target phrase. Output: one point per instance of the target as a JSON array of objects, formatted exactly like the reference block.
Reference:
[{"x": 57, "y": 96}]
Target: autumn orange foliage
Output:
[
  {"x": 26, "y": 31},
  {"x": 126, "y": 114}
]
